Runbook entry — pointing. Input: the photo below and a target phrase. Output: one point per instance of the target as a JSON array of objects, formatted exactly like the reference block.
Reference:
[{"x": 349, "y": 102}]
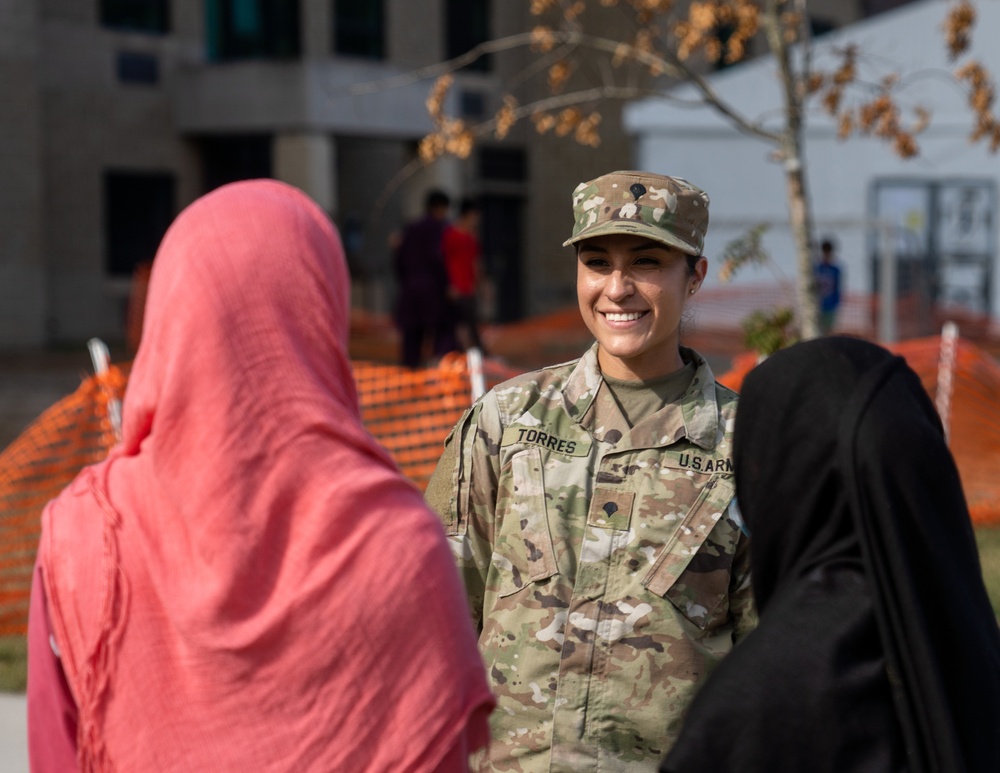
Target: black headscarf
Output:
[{"x": 877, "y": 649}]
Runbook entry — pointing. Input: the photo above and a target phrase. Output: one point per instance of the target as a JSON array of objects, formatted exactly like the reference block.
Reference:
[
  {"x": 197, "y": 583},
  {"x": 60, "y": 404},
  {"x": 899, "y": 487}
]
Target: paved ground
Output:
[{"x": 13, "y": 734}]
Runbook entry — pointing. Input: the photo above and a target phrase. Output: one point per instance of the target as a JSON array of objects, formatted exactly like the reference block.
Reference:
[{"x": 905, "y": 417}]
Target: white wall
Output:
[{"x": 746, "y": 186}]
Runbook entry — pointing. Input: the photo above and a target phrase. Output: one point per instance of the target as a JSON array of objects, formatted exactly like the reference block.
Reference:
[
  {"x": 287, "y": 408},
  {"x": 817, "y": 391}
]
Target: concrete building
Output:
[{"x": 121, "y": 112}]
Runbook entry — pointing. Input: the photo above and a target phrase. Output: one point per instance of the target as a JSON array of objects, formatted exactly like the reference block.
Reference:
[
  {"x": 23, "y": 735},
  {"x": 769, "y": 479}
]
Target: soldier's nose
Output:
[{"x": 619, "y": 286}]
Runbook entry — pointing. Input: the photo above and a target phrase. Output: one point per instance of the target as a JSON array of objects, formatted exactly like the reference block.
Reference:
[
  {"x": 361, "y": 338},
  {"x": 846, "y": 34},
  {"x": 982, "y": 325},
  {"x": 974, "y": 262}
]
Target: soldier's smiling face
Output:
[{"x": 632, "y": 292}]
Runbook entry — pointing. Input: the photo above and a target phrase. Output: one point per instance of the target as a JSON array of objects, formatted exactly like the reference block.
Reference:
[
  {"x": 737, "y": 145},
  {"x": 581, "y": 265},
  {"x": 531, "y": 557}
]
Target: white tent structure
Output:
[{"x": 942, "y": 205}]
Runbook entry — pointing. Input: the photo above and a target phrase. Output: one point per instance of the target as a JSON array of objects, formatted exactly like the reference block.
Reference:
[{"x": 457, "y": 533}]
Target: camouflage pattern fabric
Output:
[
  {"x": 604, "y": 573},
  {"x": 666, "y": 209}
]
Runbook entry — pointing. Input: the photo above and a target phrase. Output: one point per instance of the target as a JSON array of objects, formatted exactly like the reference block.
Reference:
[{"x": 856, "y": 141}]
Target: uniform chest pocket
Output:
[
  {"x": 693, "y": 568},
  {"x": 523, "y": 551}
]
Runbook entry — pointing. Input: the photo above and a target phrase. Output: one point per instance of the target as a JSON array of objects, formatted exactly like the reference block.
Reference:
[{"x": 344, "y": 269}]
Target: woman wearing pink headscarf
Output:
[{"x": 247, "y": 583}]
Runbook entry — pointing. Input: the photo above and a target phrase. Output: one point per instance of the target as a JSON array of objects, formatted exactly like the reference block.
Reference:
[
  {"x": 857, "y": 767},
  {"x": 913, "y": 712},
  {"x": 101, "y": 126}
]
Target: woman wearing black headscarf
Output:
[{"x": 877, "y": 648}]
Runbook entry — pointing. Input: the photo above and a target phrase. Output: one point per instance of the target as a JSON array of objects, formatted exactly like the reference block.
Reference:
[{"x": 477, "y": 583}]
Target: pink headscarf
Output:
[{"x": 247, "y": 583}]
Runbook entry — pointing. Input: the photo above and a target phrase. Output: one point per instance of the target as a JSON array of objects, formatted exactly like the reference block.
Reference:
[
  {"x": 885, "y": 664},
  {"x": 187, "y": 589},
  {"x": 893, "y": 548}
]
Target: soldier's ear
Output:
[{"x": 699, "y": 271}]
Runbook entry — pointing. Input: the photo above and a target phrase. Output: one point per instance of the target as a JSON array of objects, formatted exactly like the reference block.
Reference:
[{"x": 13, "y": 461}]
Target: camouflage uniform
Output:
[{"x": 604, "y": 573}]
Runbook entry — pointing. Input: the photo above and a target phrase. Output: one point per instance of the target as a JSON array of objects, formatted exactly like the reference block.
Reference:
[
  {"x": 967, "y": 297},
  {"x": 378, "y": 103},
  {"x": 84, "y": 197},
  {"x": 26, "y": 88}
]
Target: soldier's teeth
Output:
[{"x": 623, "y": 317}]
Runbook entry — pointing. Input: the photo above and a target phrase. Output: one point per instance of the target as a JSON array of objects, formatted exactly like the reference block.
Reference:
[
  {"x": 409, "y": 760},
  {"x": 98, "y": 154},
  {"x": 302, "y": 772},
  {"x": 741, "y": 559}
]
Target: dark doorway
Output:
[
  {"x": 502, "y": 230},
  {"x": 138, "y": 209},
  {"x": 359, "y": 28},
  {"x": 467, "y": 24},
  {"x": 228, "y": 158}
]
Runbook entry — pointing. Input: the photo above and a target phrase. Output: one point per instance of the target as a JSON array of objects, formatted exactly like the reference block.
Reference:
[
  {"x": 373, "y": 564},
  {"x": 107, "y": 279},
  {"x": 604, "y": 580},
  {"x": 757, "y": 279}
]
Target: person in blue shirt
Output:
[{"x": 827, "y": 287}]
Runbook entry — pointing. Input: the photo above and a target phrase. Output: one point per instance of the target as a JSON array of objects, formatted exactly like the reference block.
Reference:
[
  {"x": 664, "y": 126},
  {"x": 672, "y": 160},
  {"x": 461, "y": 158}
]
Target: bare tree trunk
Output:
[
  {"x": 801, "y": 224},
  {"x": 799, "y": 209}
]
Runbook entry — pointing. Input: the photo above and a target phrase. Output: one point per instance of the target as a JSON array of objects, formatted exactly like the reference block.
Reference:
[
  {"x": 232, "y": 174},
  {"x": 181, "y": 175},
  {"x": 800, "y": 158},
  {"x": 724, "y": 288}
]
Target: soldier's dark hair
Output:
[{"x": 436, "y": 198}]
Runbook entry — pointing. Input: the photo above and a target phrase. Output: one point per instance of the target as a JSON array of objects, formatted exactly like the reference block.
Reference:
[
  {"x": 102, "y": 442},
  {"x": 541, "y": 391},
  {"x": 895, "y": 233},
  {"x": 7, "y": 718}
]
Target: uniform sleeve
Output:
[
  {"x": 741, "y": 603},
  {"x": 463, "y": 492}
]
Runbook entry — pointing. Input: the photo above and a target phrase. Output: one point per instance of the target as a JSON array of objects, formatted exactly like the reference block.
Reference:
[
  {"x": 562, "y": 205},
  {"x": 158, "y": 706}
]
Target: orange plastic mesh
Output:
[
  {"x": 410, "y": 412},
  {"x": 34, "y": 468},
  {"x": 973, "y": 418}
]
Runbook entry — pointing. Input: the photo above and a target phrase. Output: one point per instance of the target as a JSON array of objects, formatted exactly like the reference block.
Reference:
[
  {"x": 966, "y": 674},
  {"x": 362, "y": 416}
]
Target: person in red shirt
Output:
[{"x": 461, "y": 249}]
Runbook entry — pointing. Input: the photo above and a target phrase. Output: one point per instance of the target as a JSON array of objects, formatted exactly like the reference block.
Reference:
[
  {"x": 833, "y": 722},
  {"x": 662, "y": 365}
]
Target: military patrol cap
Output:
[{"x": 668, "y": 210}]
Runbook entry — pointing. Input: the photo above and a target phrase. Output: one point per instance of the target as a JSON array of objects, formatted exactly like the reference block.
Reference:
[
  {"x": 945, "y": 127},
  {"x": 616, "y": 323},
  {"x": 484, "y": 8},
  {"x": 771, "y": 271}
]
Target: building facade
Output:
[
  {"x": 121, "y": 112},
  {"x": 933, "y": 216}
]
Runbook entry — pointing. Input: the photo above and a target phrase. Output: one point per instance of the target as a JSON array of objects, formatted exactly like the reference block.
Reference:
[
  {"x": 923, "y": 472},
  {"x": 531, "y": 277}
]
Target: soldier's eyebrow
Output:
[
  {"x": 649, "y": 244},
  {"x": 643, "y": 246}
]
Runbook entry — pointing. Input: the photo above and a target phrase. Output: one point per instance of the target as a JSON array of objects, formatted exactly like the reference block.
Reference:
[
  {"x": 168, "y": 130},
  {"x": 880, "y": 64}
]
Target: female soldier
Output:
[{"x": 588, "y": 504}]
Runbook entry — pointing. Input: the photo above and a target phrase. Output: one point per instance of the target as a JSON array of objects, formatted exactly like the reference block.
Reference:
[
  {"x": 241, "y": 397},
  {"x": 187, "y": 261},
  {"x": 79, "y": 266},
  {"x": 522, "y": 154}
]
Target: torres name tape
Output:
[{"x": 569, "y": 446}]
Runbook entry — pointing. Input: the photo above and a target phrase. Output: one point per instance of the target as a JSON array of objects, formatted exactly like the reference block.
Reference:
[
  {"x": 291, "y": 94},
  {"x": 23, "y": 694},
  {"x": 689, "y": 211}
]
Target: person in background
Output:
[
  {"x": 462, "y": 251},
  {"x": 877, "y": 648},
  {"x": 828, "y": 276},
  {"x": 588, "y": 504},
  {"x": 247, "y": 583},
  {"x": 424, "y": 313}
]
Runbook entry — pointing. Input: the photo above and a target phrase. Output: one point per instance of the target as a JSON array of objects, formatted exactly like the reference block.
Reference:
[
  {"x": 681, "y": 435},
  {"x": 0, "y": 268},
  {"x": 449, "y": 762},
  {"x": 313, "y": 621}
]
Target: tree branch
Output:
[
  {"x": 444, "y": 68},
  {"x": 710, "y": 96},
  {"x": 668, "y": 64}
]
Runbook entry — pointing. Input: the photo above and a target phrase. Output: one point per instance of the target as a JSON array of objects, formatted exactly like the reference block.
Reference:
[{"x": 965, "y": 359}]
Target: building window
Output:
[
  {"x": 133, "y": 67},
  {"x": 943, "y": 246},
  {"x": 252, "y": 29},
  {"x": 136, "y": 15},
  {"x": 503, "y": 164},
  {"x": 468, "y": 25},
  {"x": 138, "y": 209},
  {"x": 229, "y": 158},
  {"x": 819, "y": 26},
  {"x": 359, "y": 28},
  {"x": 472, "y": 105}
]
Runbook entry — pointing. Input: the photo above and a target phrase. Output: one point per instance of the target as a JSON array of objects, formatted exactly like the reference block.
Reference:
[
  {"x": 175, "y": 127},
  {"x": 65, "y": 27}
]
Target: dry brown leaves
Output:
[
  {"x": 452, "y": 135},
  {"x": 543, "y": 39},
  {"x": 700, "y": 30},
  {"x": 982, "y": 95},
  {"x": 506, "y": 117},
  {"x": 570, "y": 121},
  {"x": 558, "y": 75},
  {"x": 958, "y": 28}
]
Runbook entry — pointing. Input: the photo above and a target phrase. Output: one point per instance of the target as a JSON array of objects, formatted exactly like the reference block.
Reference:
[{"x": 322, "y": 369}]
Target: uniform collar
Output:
[{"x": 698, "y": 419}]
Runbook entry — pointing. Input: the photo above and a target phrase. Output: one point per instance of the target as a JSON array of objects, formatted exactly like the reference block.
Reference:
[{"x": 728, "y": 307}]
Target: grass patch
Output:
[
  {"x": 13, "y": 663},
  {"x": 989, "y": 556}
]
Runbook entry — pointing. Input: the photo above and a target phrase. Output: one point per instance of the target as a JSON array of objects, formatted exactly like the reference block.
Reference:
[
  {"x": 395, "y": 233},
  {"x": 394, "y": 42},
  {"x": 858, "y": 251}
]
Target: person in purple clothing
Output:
[{"x": 423, "y": 310}]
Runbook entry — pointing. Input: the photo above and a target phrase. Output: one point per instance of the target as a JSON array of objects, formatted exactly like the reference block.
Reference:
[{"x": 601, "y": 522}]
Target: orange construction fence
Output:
[
  {"x": 410, "y": 412},
  {"x": 972, "y": 413},
  {"x": 34, "y": 468}
]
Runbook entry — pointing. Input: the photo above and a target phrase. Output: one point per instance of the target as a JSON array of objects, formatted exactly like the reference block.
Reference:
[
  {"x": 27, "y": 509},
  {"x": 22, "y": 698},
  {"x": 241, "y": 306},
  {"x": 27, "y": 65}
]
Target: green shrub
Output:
[{"x": 13, "y": 663}]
